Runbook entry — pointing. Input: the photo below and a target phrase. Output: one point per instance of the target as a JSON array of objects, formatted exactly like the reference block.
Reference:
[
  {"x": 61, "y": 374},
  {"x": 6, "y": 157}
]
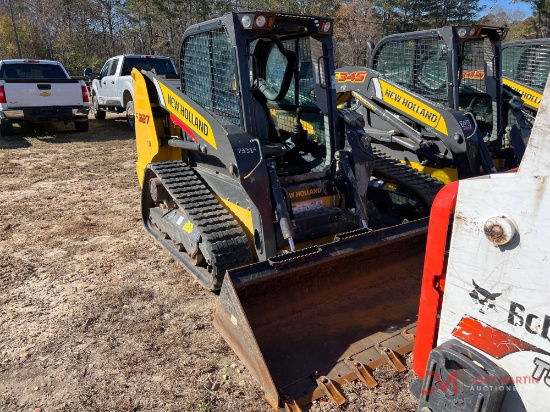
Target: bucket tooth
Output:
[
  {"x": 391, "y": 358},
  {"x": 290, "y": 404},
  {"x": 330, "y": 390},
  {"x": 361, "y": 372},
  {"x": 408, "y": 335}
]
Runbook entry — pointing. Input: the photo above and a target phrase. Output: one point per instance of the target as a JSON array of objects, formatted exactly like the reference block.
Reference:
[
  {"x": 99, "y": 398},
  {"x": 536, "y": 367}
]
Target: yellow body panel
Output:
[
  {"x": 149, "y": 130},
  {"x": 529, "y": 96},
  {"x": 413, "y": 107},
  {"x": 446, "y": 175},
  {"x": 243, "y": 216}
]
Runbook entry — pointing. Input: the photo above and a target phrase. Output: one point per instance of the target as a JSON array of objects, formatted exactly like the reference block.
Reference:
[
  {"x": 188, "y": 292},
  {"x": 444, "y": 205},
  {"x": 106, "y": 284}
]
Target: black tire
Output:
[
  {"x": 6, "y": 128},
  {"x": 81, "y": 126},
  {"x": 130, "y": 114},
  {"x": 96, "y": 111}
]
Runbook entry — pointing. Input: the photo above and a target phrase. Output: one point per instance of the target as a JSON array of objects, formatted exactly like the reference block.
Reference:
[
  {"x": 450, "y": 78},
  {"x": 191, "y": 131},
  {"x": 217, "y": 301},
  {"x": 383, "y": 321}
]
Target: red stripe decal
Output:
[
  {"x": 490, "y": 340},
  {"x": 185, "y": 128}
]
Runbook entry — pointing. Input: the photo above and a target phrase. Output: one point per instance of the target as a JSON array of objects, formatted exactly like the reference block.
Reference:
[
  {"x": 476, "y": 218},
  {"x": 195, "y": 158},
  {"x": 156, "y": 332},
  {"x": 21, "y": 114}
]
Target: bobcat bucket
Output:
[{"x": 307, "y": 322}]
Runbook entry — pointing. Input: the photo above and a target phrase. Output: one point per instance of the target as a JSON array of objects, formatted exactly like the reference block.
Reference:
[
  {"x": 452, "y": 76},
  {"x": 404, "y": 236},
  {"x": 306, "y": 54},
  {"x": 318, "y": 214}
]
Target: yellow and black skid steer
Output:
[
  {"x": 256, "y": 183},
  {"x": 434, "y": 99},
  {"x": 525, "y": 68}
]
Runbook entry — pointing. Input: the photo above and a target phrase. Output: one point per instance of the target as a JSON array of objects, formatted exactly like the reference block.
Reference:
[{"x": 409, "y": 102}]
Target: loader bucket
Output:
[{"x": 307, "y": 322}]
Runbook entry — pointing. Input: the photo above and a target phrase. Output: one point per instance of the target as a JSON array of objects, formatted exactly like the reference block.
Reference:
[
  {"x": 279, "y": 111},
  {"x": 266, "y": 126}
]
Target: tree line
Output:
[{"x": 84, "y": 33}]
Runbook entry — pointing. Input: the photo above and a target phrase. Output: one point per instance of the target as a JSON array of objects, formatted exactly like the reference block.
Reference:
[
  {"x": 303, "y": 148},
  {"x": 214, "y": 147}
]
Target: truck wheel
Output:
[
  {"x": 98, "y": 114},
  {"x": 130, "y": 115},
  {"x": 6, "y": 128},
  {"x": 82, "y": 126}
]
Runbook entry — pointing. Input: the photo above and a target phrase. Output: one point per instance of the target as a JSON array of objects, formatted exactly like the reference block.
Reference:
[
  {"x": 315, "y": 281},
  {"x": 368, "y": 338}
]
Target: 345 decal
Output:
[
  {"x": 354, "y": 77},
  {"x": 473, "y": 74}
]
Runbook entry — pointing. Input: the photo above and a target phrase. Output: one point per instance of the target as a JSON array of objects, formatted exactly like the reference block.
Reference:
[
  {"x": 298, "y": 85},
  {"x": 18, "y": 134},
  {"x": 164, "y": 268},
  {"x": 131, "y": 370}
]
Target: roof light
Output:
[
  {"x": 325, "y": 26},
  {"x": 259, "y": 21},
  {"x": 31, "y": 61},
  {"x": 462, "y": 32},
  {"x": 246, "y": 21},
  {"x": 472, "y": 31}
]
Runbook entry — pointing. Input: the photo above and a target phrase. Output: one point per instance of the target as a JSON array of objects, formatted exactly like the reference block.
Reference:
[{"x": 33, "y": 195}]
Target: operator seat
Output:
[{"x": 261, "y": 123}]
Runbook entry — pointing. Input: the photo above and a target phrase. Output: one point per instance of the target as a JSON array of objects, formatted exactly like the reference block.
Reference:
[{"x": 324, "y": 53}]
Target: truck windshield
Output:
[
  {"x": 162, "y": 66},
  {"x": 31, "y": 71}
]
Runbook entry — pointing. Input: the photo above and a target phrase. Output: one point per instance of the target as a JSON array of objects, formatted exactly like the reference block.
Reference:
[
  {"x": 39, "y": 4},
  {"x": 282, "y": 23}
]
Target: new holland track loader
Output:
[
  {"x": 434, "y": 99},
  {"x": 525, "y": 68},
  {"x": 483, "y": 341},
  {"x": 256, "y": 182}
]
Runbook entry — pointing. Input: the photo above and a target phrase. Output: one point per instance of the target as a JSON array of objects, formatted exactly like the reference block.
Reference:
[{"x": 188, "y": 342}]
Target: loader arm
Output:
[{"x": 413, "y": 128}]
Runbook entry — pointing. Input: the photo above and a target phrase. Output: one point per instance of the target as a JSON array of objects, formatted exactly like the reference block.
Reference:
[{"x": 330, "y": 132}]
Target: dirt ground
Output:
[{"x": 94, "y": 316}]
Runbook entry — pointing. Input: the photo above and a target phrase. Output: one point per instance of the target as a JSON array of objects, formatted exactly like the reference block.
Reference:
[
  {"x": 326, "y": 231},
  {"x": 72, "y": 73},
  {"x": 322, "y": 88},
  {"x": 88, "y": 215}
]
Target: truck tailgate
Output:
[{"x": 51, "y": 93}]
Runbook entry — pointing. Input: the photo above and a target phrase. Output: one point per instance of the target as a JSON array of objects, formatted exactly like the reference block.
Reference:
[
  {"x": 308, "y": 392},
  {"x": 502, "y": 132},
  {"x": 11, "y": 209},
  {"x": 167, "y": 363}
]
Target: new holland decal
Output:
[
  {"x": 530, "y": 97},
  {"x": 186, "y": 117},
  {"x": 411, "y": 106}
]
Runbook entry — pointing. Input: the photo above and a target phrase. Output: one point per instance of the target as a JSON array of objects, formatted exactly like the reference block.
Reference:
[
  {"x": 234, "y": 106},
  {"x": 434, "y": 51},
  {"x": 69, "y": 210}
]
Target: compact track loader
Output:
[
  {"x": 256, "y": 182},
  {"x": 525, "y": 68},
  {"x": 434, "y": 99}
]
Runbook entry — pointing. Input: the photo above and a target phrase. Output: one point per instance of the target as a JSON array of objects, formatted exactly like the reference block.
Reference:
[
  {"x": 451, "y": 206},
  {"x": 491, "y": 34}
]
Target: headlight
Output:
[
  {"x": 462, "y": 32},
  {"x": 260, "y": 21},
  {"x": 246, "y": 21},
  {"x": 325, "y": 26}
]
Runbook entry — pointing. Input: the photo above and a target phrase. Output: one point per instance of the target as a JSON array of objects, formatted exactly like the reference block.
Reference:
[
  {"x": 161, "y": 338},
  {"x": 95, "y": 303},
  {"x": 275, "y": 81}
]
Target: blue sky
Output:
[{"x": 507, "y": 5}]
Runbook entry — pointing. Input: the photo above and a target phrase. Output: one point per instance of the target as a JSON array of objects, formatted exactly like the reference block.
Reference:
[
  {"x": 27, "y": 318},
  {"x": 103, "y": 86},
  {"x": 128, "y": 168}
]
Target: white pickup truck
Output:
[
  {"x": 113, "y": 88},
  {"x": 40, "y": 91}
]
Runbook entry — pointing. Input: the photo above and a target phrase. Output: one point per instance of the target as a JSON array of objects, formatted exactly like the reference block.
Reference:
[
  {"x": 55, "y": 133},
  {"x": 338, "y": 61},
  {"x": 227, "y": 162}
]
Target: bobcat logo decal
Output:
[{"x": 484, "y": 298}]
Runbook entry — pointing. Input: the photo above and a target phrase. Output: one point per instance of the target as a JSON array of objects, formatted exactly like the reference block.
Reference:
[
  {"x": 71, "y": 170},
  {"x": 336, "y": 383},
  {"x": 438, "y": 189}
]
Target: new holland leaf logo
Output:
[{"x": 484, "y": 298}]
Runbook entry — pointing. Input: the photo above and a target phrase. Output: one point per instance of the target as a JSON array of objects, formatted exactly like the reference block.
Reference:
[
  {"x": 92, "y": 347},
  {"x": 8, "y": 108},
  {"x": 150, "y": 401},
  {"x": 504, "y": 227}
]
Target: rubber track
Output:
[
  {"x": 422, "y": 184},
  {"x": 224, "y": 238}
]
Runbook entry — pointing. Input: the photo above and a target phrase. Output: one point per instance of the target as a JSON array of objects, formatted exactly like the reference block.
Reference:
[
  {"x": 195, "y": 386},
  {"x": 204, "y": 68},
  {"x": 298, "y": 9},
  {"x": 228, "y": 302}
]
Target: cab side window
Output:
[
  {"x": 208, "y": 65},
  {"x": 105, "y": 68},
  {"x": 114, "y": 66}
]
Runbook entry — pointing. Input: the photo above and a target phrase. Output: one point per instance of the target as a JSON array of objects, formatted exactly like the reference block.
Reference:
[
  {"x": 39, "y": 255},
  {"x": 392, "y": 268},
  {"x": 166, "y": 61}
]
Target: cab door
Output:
[{"x": 107, "y": 88}]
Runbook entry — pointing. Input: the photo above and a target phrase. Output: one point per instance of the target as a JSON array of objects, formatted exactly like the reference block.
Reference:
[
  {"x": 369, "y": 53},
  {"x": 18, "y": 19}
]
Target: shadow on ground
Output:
[
  {"x": 13, "y": 142},
  {"x": 111, "y": 129}
]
